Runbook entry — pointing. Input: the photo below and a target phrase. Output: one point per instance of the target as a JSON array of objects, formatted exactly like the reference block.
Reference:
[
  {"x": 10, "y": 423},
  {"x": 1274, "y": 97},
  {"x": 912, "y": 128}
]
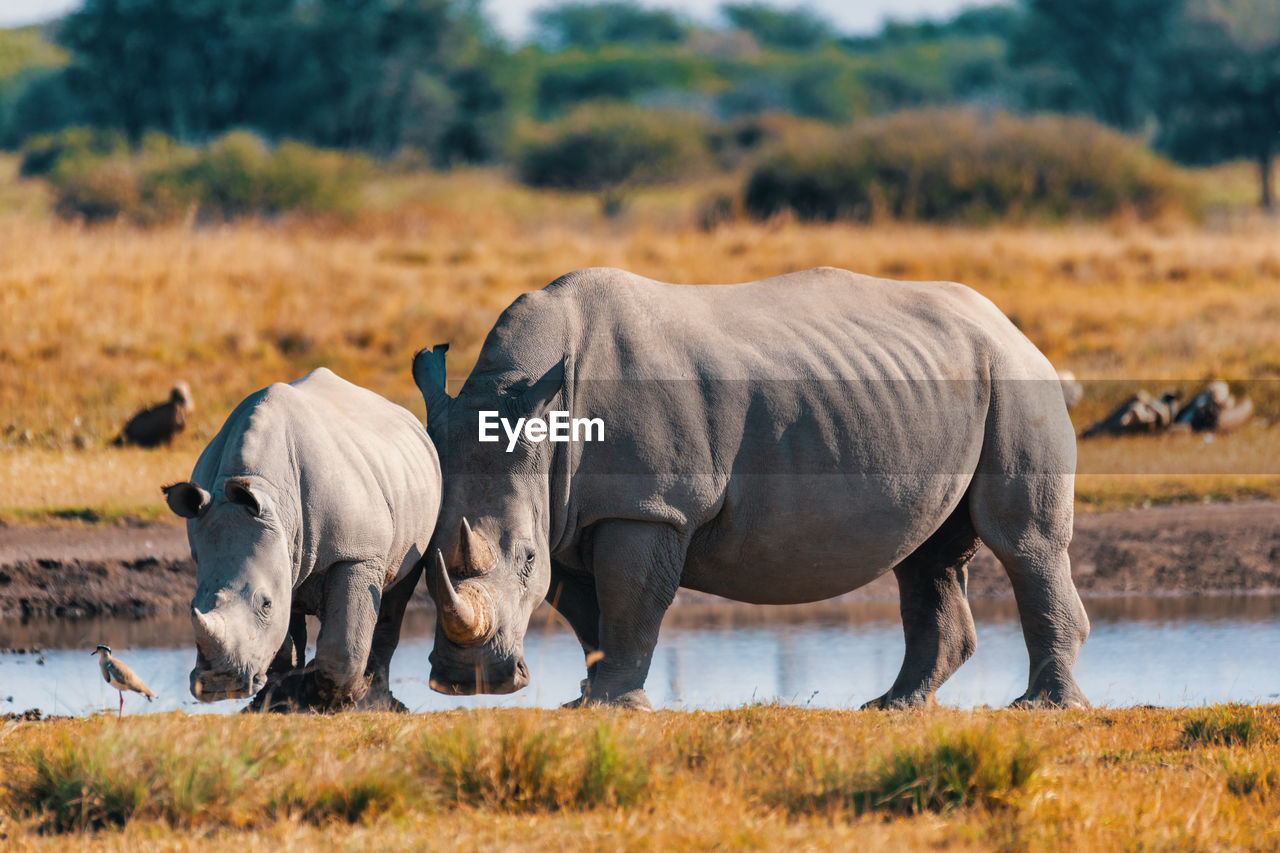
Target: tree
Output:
[
  {"x": 1221, "y": 94},
  {"x": 797, "y": 29},
  {"x": 591, "y": 25},
  {"x": 1110, "y": 49},
  {"x": 367, "y": 74}
]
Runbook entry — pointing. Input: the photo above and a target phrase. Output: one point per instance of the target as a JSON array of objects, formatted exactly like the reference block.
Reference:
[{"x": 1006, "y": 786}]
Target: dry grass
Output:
[
  {"x": 95, "y": 322},
  {"x": 758, "y": 777}
]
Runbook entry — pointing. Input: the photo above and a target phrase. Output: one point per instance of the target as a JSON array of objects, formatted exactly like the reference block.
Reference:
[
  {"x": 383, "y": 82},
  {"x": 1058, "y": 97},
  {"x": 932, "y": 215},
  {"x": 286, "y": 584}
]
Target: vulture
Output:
[{"x": 158, "y": 424}]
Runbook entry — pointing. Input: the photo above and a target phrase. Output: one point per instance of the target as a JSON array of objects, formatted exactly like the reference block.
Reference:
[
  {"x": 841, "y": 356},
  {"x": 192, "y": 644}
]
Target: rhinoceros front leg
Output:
[
  {"x": 286, "y": 681},
  {"x": 353, "y": 594},
  {"x": 574, "y": 598},
  {"x": 386, "y": 636},
  {"x": 293, "y": 651},
  {"x": 637, "y": 567},
  {"x": 936, "y": 619}
]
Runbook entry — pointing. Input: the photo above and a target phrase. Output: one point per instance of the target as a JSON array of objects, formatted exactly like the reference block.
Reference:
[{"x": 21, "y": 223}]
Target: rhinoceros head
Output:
[
  {"x": 490, "y": 559},
  {"x": 240, "y": 613}
]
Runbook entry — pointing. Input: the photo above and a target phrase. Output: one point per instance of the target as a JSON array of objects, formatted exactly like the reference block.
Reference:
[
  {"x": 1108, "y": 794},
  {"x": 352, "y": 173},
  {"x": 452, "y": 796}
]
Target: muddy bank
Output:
[{"x": 145, "y": 569}]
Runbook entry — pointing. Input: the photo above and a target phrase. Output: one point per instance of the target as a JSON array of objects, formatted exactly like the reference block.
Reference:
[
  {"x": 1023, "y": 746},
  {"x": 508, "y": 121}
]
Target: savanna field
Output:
[
  {"x": 98, "y": 320},
  {"x": 758, "y": 777}
]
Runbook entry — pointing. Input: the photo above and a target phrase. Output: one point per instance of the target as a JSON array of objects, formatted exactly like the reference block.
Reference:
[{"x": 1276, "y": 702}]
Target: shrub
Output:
[
  {"x": 41, "y": 155},
  {"x": 236, "y": 175},
  {"x": 240, "y": 175},
  {"x": 951, "y": 770},
  {"x": 97, "y": 190},
  {"x": 960, "y": 165},
  {"x": 611, "y": 149}
]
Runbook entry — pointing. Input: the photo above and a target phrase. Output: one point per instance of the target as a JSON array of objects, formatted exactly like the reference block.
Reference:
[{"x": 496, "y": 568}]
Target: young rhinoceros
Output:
[{"x": 317, "y": 497}]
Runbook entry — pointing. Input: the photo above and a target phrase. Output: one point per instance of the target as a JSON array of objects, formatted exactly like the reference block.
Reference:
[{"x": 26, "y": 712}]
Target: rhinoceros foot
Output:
[
  {"x": 1069, "y": 697},
  {"x": 636, "y": 700},
  {"x": 382, "y": 701},
  {"x": 307, "y": 692},
  {"x": 889, "y": 702},
  {"x": 292, "y": 693},
  {"x": 341, "y": 697}
]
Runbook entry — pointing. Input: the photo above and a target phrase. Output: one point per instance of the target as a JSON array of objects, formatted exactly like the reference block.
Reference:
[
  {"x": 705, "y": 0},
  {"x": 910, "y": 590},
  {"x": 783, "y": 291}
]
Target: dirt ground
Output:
[{"x": 146, "y": 570}]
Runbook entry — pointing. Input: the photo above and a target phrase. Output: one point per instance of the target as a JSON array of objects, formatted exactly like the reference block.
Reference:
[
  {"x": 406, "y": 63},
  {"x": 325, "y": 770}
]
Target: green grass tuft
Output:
[
  {"x": 108, "y": 781},
  {"x": 1222, "y": 725},
  {"x": 952, "y": 769},
  {"x": 525, "y": 768},
  {"x": 1249, "y": 776}
]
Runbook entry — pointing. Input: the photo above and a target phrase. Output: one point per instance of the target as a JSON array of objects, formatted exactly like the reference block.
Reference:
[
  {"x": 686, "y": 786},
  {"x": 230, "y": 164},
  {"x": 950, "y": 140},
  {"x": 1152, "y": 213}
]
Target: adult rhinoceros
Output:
[
  {"x": 317, "y": 497},
  {"x": 775, "y": 442}
]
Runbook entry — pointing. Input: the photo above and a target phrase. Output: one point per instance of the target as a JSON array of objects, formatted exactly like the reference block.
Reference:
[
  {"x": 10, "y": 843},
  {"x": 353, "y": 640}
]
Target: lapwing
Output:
[{"x": 119, "y": 676}]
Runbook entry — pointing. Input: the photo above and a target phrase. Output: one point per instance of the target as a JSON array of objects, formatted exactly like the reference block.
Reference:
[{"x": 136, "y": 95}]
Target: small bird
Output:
[
  {"x": 119, "y": 676},
  {"x": 158, "y": 424}
]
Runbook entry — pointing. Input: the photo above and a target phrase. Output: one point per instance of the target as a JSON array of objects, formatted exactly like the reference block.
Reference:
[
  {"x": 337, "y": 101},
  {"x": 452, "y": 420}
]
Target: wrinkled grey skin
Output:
[
  {"x": 776, "y": 442},
  {"x": 317, "y": 497}
]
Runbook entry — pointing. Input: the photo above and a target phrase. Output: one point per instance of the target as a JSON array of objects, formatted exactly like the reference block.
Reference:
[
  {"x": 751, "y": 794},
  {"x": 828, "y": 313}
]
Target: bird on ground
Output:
[
  {"x": 158, "y": 424},
  {"x": 1215, "y": 409},
  {"x": 119, "y": 676}
]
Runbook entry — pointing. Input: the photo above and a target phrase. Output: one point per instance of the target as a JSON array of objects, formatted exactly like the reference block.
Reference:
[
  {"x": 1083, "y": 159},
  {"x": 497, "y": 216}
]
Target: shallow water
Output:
[{"x": 1143, "y": 650}]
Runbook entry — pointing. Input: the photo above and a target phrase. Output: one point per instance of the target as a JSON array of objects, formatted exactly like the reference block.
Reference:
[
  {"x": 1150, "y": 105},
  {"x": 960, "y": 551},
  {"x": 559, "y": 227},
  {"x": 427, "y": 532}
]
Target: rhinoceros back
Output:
[
  {"x": 355, "y": 476},
  {"x": 821, "y": 419}
]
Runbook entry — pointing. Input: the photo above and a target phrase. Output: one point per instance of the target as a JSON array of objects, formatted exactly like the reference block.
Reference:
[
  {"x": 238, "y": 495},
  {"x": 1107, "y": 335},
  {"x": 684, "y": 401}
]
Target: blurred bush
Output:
[
  {"x": 611, "y": 149},
  {"x": 96, "y": 177},
  {"x": 241, "y": 175},
  {"x": 747, "y": 139},
  {"x": 45, "y": 153},
  {"x": 966, "y": 166}
]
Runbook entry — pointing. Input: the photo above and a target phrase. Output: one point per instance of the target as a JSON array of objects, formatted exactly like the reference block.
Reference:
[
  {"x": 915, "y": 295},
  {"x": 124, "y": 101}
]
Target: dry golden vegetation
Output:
[
  {"x": 95, "y": 322},
  {"x": 758, "y": 777}
]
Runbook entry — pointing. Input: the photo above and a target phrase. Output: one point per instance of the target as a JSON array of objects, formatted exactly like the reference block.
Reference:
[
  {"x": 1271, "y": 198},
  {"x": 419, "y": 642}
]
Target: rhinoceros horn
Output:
[
  {"x": 474, "y": 556},
  {"x": 465, "y": 612},
  {"x": 208, "y": 631}
]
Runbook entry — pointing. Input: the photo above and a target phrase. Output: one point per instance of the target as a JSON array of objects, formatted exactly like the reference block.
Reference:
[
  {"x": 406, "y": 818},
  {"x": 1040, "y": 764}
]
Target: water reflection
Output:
[{"x": 1143, "y": 650}]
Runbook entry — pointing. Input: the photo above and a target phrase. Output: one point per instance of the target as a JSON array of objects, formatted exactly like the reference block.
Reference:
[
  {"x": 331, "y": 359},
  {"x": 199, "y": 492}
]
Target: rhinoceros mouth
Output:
[
  {"x": 209, "y": 688},
  {"x": 478, "y": 683},
  {"x": 451, "y": 688}
]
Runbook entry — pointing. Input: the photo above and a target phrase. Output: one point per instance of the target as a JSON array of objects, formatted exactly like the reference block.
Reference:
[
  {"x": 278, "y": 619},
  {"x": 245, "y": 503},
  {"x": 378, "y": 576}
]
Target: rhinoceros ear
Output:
[
  {"x": 186, "y": 499},
  {"x": 239, "y": 491},
  {"x": 533, "y": 400},
  {"x": 429, "y": 375}
]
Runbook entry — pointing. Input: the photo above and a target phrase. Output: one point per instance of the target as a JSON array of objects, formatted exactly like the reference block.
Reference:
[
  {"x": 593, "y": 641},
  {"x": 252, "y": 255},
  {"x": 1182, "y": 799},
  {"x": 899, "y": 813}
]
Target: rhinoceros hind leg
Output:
[
  {"x": 936, "y": 619},
  {"x": 1028, "y": 526},
  {"x": 574, "y": 598}
]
